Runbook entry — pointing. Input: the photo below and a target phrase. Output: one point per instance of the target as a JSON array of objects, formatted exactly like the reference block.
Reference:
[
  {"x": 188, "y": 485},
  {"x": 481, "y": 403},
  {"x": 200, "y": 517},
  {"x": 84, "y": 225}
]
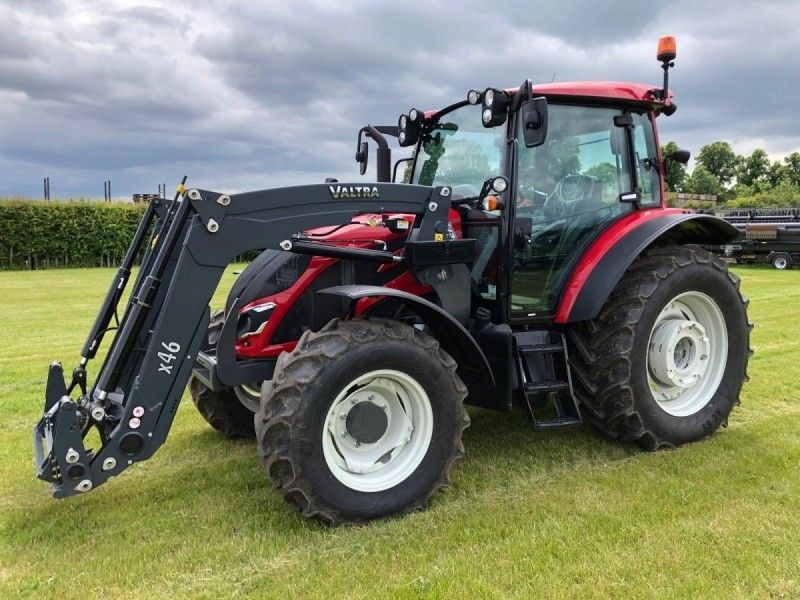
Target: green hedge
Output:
[{"x": 37, "y": 234}]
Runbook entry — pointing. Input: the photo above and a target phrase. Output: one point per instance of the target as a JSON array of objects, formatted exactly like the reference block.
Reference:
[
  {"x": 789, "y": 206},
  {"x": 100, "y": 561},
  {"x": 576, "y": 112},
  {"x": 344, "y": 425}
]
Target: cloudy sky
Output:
[{"x": 246, "y": 95}]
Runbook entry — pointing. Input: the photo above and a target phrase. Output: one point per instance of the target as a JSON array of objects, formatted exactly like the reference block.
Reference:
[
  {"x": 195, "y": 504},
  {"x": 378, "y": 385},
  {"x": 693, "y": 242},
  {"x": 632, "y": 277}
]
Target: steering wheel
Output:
[{"x": 568, "y": 191}]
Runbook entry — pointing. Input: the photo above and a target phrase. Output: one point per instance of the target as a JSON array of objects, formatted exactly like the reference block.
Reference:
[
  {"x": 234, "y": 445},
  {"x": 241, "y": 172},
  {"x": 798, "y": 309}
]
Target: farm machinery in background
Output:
[
  {"x": 527, "y": 260},
  {"x": 765, "y": 235}
]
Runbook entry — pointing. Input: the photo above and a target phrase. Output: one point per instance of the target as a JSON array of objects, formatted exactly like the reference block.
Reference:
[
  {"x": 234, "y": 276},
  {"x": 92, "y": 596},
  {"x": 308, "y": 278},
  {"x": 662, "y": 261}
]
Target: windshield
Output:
[{"x": 460, "y": 152}]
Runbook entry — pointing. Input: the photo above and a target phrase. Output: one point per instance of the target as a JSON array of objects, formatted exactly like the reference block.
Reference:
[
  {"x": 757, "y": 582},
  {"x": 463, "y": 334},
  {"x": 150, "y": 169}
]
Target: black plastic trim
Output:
[
  {"x": 451, "y": 334},
  {"x": 686, "y": 228}
]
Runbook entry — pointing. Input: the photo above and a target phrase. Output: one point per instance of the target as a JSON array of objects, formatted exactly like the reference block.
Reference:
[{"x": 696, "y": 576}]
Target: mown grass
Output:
[{"x": 528, "y": 514}]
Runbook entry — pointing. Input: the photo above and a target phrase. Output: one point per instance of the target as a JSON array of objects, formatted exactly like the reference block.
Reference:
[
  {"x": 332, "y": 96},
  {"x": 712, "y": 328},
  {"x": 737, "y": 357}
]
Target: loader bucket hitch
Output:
[{"x": 61, "y": 458}]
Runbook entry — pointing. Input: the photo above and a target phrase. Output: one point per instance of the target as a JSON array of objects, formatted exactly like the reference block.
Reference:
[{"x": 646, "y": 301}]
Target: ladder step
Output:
[
  {"x": 544, "y": 348},
  {"x": 545, "y": 386},
  {"x": 557, "y": 422}
]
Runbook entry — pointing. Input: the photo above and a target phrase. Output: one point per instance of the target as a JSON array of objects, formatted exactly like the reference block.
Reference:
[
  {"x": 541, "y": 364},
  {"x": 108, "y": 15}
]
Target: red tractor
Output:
[{"x": 526, "y": 259}]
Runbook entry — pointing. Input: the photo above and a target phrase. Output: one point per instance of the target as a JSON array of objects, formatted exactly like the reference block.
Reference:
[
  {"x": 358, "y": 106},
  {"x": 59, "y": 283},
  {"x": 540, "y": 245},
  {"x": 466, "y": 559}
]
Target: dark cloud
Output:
[{"x": 246, "y": 95}]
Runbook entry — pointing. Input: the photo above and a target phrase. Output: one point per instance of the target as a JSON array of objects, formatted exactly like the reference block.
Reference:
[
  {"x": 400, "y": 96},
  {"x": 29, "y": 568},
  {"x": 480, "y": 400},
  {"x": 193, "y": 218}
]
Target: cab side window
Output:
[{"x": 568, "y": 191}]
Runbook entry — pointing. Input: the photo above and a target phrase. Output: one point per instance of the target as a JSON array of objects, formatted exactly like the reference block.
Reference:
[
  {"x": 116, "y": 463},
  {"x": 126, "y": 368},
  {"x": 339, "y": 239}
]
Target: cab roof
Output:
[{"x": 613, "y": 90}]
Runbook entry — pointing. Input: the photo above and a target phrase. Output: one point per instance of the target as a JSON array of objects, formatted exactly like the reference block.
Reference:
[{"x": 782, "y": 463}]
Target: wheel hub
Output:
[
  {"x": 678, "y": 353},
  {"x": 687, "y": 353},
  {"x": 366, "y": 422},
  {"x": 377, "y": 430}
]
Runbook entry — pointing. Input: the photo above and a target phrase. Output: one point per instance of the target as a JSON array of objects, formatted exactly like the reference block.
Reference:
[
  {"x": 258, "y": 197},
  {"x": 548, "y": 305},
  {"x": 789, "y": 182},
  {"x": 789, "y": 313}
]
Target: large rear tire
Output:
[
  {"x": 223, "y": 410},
  {"x": 664, "y": 362},
  {"x": 362, "y": 420}
]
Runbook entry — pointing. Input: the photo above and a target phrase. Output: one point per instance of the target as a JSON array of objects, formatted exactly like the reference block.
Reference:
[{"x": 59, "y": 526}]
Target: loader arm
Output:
[{"x": 138, "y": 389}]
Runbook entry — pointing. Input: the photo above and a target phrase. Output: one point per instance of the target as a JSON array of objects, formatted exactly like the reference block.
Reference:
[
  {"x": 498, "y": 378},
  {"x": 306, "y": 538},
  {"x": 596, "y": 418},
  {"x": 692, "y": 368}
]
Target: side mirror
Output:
[
  {"x": 534, "y": 121},
  {"x": 397, "y": 164},
  {"x": 679, "y": 156},
  {"x": 362, "y": 157}
]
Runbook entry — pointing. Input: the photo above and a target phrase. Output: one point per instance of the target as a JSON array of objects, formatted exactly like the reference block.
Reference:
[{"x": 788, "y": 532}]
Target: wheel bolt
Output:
[{"x": 371, "y": 397}]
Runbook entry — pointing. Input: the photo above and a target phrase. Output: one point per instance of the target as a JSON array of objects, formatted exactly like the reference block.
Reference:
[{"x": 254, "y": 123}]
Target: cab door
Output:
[{"x": 568, "y": 190}]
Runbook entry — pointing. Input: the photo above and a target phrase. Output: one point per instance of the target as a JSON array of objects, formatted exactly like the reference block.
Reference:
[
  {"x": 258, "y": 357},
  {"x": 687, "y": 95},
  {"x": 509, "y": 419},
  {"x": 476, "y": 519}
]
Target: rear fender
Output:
[
  {"x": 606, "y": 260},
  {"x": 451, "y": 334}
]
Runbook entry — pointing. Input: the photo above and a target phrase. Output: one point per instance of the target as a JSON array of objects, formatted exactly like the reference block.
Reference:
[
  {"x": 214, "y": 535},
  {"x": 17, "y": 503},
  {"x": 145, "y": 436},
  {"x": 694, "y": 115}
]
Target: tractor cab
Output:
[{"x": 574, "y": 158}]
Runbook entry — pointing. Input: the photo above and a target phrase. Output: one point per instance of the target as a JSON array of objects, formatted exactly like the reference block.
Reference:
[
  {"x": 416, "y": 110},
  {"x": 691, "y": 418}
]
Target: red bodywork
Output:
[
  {"x": 363, "y": 232},
  {"x": 615, "y": 232}
]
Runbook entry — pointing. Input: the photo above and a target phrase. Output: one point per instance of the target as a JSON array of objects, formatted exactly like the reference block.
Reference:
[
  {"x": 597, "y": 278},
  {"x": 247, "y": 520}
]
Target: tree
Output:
[
  {"x": 675, "y": 173},
  {"x": 564, "y": 159},
  {"x": 792, "y": 165},
  {"x": 754, "y": 169},
  {"x": 457, "y": 161},
  {"x": 776, "y": 173},
  {"x": 607, "y": 174},
  {"x": 702, "y": 181},
  {"x": 719, "y": 159}
]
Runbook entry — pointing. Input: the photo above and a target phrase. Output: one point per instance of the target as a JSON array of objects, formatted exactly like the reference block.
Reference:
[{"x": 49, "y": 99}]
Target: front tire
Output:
[
  {"x": 664, "y": 362},
  {"x": 223, "y": 409},
  {"x": 362, "y": 420}
]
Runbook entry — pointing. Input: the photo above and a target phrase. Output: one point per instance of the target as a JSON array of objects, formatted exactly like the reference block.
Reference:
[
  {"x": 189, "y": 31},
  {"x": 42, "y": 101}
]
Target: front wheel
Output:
[
  {"x": 229, "y": 411},
  {"x": 362, "y": 420},
  {"x": 781, "y": 261},
  {"x": 664, "y": 362}
]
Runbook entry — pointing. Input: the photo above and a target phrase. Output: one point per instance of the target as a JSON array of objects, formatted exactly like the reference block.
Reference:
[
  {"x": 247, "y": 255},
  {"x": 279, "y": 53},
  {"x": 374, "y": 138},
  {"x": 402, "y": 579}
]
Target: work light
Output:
[
  {"x": 495, "y": 107},
  {"x": 473, "y": 96},
  {"x": 410, "y": 126}
]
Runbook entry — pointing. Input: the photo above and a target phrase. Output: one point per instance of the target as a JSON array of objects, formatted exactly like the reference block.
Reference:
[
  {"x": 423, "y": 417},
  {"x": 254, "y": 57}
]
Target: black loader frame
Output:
[{"x": 195, "y": 236}]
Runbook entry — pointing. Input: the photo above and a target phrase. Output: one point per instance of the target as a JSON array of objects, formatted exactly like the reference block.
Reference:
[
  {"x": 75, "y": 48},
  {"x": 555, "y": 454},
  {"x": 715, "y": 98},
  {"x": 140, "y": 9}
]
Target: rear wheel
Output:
[
  {"x": 362, "y": 420},
  {"x": 664, "y": 361},
  {"x": 781, "y": 261},
  {"x": 224, "y": 410}
]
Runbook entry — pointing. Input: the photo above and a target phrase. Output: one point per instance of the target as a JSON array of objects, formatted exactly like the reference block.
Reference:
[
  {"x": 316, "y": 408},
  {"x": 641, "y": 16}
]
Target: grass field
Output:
[{"x": 528, "y": 514}]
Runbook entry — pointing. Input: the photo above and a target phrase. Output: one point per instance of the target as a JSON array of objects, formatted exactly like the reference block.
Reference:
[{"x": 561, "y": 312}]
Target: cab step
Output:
[{"x": 545, "y": 379}]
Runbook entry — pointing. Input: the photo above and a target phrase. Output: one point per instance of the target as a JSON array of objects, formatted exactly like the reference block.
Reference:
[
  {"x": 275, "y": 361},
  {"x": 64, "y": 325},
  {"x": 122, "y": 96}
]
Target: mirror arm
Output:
[{"x": 384, "y": 158}]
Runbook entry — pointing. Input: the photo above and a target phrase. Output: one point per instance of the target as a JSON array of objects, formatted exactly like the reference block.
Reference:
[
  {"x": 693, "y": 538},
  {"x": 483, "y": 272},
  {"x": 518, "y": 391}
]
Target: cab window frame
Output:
[{"x": 545, "y": 314}]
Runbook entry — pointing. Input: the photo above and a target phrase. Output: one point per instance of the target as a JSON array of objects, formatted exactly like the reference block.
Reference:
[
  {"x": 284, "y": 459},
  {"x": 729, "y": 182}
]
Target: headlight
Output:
[
  {"x": 495, "y": 107},
  {"x": 253, "y": 320},
  {"x": 410, "y": 126},
  {"x": 499, "y": 184}
]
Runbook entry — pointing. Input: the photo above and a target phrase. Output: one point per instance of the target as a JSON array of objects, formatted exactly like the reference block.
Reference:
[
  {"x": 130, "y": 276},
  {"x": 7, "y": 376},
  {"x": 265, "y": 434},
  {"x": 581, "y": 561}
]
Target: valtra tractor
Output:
[{"x": 523, "y": 256}]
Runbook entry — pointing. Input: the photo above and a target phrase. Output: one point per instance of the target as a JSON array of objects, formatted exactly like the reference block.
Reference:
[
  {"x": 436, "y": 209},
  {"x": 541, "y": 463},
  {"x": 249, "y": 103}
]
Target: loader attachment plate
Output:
[{"x": 58, "y": 447}]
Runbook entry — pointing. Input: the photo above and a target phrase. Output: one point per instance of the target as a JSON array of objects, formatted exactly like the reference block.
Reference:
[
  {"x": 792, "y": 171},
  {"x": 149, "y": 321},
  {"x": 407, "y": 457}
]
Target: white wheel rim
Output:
[
  {"x": 780, "y": 262},
  {"x": 687, "y": 354},
  {"x": 391, "y": 459}
]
